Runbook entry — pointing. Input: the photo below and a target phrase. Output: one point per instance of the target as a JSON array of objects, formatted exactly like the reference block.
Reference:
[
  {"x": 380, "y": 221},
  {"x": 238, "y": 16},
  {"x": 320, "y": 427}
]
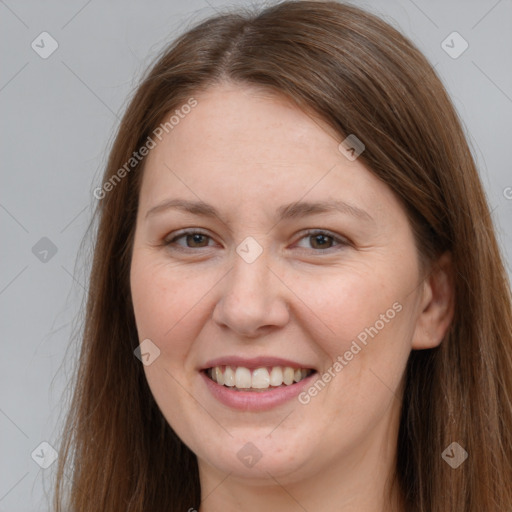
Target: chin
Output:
[{"x": 259, "y": 458}]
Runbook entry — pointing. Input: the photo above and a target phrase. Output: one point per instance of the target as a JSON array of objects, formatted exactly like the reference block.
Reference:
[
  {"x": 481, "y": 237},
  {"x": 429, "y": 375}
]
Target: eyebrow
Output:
[{"x": 289, "y": 211}]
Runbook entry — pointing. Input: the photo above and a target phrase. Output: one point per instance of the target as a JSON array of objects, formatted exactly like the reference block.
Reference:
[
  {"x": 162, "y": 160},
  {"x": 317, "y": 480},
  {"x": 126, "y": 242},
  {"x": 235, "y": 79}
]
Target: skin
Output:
[{"x": 248, "y": 152}]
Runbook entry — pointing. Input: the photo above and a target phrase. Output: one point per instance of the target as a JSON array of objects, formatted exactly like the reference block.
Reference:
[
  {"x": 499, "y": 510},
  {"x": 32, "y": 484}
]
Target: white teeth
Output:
[
  {"x": 260, "y": 378},
  {"x": 288, "y": 375},
  {"x": 242, "y": 378},
  {"x": 257, "y": 379},
  {"x": 276, "y": 376},
  {"x": 229, "y": 377}
]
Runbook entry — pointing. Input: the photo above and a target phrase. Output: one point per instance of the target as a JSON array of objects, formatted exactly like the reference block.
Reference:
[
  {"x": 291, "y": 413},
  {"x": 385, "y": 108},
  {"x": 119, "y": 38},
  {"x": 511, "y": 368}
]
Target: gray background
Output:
[{"x": 59, "y": 115}]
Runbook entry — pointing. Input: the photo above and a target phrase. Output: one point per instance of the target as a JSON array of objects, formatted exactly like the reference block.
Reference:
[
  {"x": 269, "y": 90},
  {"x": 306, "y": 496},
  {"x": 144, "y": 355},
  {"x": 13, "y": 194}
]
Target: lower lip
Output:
[{"x": 255, "y": 400}]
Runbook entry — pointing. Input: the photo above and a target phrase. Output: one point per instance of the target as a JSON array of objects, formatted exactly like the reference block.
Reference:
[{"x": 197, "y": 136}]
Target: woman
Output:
[{"x": 297, "y": 300}]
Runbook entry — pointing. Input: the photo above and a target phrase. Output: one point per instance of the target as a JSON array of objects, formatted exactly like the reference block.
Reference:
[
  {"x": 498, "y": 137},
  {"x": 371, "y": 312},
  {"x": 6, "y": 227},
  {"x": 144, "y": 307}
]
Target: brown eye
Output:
[
  {"x": 196, "y": 238},
  {"x": 193, "y": 240},
  {"x": 322, "y": 240}
]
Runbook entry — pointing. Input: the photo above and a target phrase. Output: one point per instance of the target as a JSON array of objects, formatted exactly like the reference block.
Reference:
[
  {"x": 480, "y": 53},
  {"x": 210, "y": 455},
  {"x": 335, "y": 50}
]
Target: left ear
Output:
[{"x": 437, "y": 305}]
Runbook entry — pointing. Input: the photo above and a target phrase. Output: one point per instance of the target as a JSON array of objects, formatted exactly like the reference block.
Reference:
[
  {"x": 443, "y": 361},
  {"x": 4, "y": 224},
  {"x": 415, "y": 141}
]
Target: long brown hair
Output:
[{"x": 362, "y": 77}]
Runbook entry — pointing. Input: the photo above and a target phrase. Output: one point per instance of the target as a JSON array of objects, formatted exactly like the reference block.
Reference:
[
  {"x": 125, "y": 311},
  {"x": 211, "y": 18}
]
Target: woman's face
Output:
[{"x": 249, "y": 292}]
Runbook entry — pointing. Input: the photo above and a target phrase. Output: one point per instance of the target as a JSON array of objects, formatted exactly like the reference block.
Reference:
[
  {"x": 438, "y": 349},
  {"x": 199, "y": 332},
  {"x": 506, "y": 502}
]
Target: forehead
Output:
[{"x": 247, "y": 147}]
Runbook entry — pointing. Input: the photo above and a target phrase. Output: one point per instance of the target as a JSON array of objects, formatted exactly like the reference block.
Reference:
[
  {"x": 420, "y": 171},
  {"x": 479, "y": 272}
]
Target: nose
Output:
[{"x": 253, "y": 299}]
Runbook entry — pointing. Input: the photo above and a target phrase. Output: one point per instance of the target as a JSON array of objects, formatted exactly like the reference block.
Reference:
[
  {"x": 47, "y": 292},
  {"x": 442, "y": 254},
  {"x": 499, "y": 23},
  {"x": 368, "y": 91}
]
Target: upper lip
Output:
[{"x": 253, "y": 362}]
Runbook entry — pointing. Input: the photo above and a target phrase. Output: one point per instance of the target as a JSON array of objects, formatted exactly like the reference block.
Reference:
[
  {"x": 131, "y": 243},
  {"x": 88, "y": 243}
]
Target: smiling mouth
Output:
[{"x": 260, "y": 379}]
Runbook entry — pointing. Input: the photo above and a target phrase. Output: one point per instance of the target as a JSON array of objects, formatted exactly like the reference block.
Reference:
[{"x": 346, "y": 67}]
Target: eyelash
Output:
[{"x": 312, "y": 232}]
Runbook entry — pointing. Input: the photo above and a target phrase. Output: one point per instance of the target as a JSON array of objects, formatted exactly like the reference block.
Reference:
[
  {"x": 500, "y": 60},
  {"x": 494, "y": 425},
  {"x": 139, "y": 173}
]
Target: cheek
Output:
[
  {"x": 166, "y": 309},
  {"x": 359, "y": 302},
  {"x": 168, "y": 304},
  {"x": 371, "y": 313},
  {"x": 157, "y": 303}
]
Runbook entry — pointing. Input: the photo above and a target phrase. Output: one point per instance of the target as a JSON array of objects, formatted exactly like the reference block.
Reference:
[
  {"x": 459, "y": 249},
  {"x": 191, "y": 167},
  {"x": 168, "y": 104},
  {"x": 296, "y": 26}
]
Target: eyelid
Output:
[
  {"x": 184, "y": 232},
  {"x": 338, "y": 239},
  {"x": 341, "y": 241}
]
